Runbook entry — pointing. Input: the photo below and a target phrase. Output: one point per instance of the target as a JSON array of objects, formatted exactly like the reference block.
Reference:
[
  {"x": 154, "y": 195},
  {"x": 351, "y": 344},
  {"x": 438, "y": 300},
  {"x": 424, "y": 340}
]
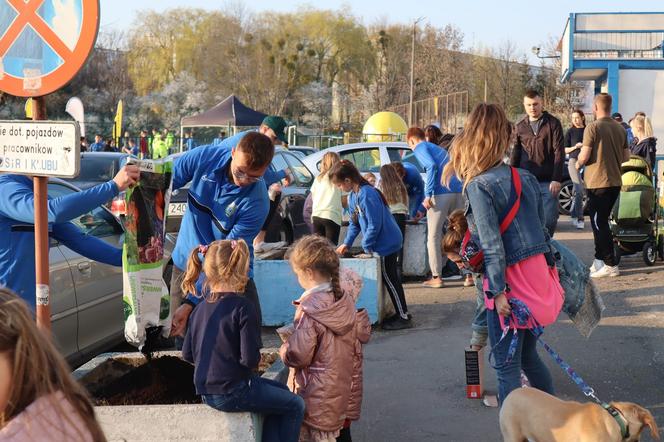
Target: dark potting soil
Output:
[{"x": 164, "y": 380}]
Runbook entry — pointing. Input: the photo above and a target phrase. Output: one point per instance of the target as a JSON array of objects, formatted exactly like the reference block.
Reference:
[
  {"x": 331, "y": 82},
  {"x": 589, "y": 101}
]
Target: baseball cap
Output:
[
  {"x": 277, "y": 124},
  {"x": 616, "y": 115}
]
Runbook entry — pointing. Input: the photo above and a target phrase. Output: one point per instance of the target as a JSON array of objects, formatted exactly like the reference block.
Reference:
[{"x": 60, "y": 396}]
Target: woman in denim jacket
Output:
[{"x": 517, "y": 264}]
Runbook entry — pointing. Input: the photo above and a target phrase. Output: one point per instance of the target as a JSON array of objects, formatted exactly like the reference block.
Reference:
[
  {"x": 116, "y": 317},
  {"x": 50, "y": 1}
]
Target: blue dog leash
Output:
[{"x": 522, "y": 316}]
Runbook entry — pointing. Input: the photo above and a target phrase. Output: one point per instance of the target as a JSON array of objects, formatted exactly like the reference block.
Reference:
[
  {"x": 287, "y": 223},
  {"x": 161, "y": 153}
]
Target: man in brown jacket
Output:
[
  {"x": 539, "y": 150},
  {"x": 604, "y": 150}
]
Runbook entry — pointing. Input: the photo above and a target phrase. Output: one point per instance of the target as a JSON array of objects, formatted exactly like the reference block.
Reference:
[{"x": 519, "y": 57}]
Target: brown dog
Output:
[{"x": 528, "y": 413}]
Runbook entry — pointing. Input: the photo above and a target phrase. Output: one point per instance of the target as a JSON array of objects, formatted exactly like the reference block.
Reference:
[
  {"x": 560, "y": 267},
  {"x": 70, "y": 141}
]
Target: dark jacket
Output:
[
  {"x": 543, "y": 154},
  {"x": 646, "y": 148},
  {"x": 223, "y": 343}
]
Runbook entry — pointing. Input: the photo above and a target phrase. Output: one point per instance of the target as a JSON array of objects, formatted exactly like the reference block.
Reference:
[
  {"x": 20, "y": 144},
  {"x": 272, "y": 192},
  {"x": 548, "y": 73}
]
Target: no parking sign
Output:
[{"x": 44, "y": 43}]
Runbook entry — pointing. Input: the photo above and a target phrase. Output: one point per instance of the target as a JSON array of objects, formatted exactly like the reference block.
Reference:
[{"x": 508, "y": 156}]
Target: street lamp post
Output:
[{"x": 412, "y": 72}]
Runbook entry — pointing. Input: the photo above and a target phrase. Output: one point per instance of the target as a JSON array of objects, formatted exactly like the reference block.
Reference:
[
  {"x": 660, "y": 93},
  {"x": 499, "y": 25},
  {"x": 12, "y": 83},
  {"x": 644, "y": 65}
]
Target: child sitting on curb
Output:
[
  {"x": 456, "y": 229},
  {"x": 323, "y": 344},
  {"x": 39, "y": 400},
  {"x": 223, "y": 342}
]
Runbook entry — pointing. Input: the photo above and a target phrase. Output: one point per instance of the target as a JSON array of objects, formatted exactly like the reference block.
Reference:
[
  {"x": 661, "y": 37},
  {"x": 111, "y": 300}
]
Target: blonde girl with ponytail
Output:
[
  {"x": 223, "y": 342},
  {"x": 321, "y": 347}
]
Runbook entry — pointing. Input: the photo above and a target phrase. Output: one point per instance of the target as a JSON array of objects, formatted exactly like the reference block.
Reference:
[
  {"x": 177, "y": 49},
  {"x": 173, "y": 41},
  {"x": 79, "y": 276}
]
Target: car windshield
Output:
[{"x": 98, "y": 169}]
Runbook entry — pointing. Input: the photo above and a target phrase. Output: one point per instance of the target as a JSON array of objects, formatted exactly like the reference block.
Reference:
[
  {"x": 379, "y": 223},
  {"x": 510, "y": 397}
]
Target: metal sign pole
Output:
[{"x": 42, "y": 289}]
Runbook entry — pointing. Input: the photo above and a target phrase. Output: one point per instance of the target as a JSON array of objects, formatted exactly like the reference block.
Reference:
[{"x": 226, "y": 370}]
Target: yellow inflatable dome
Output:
[{"x": 384, "y": 126}]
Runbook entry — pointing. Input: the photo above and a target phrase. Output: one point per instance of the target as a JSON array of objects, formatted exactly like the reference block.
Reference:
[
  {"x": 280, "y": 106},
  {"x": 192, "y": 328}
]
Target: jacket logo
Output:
[
  {"x": 206, "y": 179},
  {"x": 230, "y": 209}
]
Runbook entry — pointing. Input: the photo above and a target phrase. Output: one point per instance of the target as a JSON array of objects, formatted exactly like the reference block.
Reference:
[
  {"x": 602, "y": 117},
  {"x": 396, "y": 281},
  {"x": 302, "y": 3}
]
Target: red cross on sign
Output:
[{"x": 44, "y": 43}]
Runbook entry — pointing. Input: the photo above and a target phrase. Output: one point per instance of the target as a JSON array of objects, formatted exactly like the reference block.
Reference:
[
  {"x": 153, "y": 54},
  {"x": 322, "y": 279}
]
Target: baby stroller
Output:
[{"x": 635, "y": 218}]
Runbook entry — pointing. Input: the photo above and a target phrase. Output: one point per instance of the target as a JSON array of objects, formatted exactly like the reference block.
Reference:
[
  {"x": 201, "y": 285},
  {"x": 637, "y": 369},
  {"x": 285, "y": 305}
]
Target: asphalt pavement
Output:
[{"x": 414, "y": 380}]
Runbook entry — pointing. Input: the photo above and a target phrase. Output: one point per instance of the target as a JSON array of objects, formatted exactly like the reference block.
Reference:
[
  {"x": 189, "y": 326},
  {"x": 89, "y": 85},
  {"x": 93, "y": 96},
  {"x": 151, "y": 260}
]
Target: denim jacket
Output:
[{"x": 487, "y": 202}]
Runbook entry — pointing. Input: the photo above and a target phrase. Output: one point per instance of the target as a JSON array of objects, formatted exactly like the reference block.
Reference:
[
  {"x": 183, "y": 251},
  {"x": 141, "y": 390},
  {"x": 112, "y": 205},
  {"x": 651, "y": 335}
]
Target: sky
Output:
[{"x": 483, "y": 22}]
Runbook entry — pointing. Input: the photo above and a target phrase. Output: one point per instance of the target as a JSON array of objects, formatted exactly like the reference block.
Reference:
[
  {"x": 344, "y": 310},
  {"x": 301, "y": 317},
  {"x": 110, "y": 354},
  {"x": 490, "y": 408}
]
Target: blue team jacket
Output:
[
  {"x": 216, "y": 207},
  {"x": 434, "y": 158},
  {"x": 415, "y": 187},
  {"x": 17, "y": 238},
  {"x": 369, "y": 214}
]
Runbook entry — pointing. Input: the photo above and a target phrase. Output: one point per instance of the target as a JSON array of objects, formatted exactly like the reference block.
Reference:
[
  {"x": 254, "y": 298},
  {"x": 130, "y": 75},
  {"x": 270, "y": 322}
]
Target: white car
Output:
[{"x": 367, "y": 157}]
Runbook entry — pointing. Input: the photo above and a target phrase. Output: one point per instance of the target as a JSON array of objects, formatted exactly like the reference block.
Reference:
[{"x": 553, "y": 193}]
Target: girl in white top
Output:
[{"x": 326, "y": 209}]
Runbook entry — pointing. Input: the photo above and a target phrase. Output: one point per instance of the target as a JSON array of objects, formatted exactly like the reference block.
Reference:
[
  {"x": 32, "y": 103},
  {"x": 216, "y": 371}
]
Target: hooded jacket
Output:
[
  {"x": 646, "y": 148},
  {"x": 321, "y": 349}
]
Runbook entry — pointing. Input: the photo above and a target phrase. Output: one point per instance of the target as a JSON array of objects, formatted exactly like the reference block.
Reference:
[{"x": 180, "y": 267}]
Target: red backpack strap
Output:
[{"x": 516, "y": 181}]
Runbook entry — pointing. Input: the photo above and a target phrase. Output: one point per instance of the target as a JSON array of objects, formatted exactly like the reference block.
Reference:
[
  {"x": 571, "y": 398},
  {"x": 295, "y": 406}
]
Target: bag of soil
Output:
[{"x": 146, "y": 297}]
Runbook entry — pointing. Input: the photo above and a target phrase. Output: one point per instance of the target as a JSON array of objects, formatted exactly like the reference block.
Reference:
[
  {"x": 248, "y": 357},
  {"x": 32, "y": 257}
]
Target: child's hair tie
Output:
[
  {"x": 202, "y": 249},
  {"x": 233, "y": 244}
]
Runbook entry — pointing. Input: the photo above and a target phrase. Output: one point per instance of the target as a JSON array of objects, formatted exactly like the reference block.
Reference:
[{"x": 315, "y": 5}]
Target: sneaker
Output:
[
  {"x": 597, "y": 264},
  {"x": 434, "y": 283},
  {"x": 579, "y": 224},
  {"x": 398, "y": 324},
  {"x": 468, "y": 282},
  {"x": 394, "y": 317},
  {"x": 605, "y": 271}
]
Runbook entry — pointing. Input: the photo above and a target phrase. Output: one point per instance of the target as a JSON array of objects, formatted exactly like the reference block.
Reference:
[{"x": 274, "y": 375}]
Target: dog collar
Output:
[{"x": 619, "y": 418}]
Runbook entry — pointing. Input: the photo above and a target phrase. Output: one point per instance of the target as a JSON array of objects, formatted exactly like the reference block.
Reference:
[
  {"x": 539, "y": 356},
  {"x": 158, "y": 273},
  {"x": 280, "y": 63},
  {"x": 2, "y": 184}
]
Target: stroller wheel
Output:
[{"x": 649, "y": 253}]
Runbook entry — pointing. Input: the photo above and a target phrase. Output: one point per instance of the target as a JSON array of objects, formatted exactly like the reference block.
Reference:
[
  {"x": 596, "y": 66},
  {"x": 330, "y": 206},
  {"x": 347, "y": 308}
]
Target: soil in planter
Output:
[{"x": 164, "y": 380}]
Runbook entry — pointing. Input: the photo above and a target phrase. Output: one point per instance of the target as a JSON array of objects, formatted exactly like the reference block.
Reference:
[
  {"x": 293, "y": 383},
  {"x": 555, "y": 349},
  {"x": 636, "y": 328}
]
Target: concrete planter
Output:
[
  {"x": 278, "y": 287},
  {"x": 415, "y": 258},
  {"x": 157, "y": 423}
]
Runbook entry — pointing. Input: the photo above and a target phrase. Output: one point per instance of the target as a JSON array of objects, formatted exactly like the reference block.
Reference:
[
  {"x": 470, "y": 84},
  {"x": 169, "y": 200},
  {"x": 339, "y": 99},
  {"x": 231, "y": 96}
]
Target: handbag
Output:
[{"x": 471, "y": 252}]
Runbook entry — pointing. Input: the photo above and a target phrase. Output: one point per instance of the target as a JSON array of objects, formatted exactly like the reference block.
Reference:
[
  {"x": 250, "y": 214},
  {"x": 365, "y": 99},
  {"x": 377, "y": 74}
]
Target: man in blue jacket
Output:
[
  {"x": 227, "y": 200},
  {"x": 439, "y": 201},
  {"x": 17, "y": 231}
]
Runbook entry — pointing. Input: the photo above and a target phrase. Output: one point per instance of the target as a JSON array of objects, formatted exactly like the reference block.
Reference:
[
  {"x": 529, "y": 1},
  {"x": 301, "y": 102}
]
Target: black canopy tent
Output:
[{"x": 231, "y": 112}]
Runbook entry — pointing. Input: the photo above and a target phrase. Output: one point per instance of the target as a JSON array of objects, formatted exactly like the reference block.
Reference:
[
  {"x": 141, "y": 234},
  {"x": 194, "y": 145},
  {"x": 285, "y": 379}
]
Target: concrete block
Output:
[
  {"x": 176, "y": 422},
  {"x": 278, "y": 287},
  {"x": 415, "y": 257}
]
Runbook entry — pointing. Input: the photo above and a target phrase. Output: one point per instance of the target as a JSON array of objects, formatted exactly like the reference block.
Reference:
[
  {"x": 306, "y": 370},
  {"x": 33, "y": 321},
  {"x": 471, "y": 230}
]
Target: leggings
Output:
[
  {"x": 392, "y": 283},
  {"x": 327, "y": 228},
  {"x": 400, "y": 218}
]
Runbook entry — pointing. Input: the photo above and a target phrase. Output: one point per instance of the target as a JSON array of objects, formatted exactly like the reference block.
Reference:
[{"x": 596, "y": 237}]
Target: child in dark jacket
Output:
[{"x": 223, "y": 343}]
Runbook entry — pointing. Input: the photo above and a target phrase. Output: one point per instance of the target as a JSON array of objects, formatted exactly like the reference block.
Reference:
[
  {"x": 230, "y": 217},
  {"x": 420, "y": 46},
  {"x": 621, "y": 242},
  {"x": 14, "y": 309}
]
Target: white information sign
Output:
[{"x": 40, "y": 148}]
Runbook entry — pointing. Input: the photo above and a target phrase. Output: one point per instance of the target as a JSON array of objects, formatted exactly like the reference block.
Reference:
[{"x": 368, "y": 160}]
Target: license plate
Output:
[{"x": 177, "y": 209}]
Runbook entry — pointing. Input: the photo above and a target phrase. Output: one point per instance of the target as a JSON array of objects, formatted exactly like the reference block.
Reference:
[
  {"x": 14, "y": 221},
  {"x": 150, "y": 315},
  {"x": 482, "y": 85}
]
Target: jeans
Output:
[
  {"x": 550, "y": 203},
  {"x": 525, "y": 358},
  {"x": 479, "y": 326},
  {"x": 600, "y": 204},
  {"x": 579, "y": 189},
  {"x": 283, "y": 410}
]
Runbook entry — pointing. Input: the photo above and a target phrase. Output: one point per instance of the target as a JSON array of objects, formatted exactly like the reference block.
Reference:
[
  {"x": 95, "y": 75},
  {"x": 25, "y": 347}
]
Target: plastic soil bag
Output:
[{"x": 146, "y": 297}]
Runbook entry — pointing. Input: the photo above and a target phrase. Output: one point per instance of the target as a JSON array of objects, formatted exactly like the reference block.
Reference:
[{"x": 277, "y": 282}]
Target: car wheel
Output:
[
  {"x": 566, "y": 198},
  {"x": 286, "y": 233}
]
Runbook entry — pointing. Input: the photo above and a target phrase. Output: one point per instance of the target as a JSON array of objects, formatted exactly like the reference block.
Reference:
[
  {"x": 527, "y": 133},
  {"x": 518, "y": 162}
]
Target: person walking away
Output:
[
  {"x": 517, "y": 265},
  {"x": 617, "y": 116},
  {"x": 396, "y": 196},
  {"x": 381, "y": 236},
  {"x": 39, "y": 399},
  {"x": 573, "y": 145},
  {"x": 227, "y": 199},
  {"x": 326, "y": 201},
  {"x": 644, "y": 143},
  {"x": 223, "y": 343},
  {"x": 539, "y": 149},
  {"x": 439, "y": 201},
  {"x": 17, "y": 217},
  {"x": 604, "y": 150},
  {"x": 414, "y": 185},
  {"x": 323, "y": 339}
]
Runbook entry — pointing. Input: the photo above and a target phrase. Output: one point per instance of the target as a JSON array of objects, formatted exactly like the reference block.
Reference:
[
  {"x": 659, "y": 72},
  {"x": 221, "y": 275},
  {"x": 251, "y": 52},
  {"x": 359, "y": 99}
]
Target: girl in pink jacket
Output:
[
  {"x": 323, "y": 345},
  {"x": 39, "y": 400}
]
